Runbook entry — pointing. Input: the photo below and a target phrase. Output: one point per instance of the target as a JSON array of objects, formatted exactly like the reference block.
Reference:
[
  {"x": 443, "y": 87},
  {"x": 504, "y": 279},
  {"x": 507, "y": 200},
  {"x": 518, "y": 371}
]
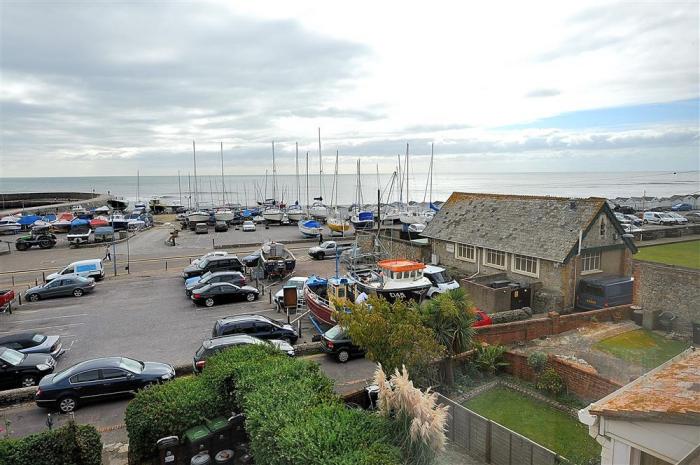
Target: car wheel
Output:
[
  {"x": 77, "y": 292},
  {"x": 343, "y": 356},
  {"x": 148, "y": 384},
  {"x": 645, "y": 222},
  {"x": 67, "y": 404},
  {"x": 209, "y": 302},
  {"x": 44, "y": 244},
  {"x": 250, "y": 297},
  {"x": 33, "y": 297},
  {"x": 28, "y": 381}
]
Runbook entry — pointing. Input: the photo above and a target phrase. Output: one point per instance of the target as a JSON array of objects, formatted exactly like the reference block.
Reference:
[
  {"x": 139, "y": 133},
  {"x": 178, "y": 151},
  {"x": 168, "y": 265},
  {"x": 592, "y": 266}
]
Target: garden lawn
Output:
[
  {"x": 680, "y": 253},
  {"x": 539, "y": 422},
  {"x": 642, "y": 347}
]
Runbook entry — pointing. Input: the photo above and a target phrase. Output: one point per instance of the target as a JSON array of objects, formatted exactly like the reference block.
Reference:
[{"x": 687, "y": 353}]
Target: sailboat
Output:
[
  {"x": 318, "y": 210},
  {"x": 196, "y": 216},
  {"x": 309, "y": 227},
  {"x": 272, "y": 213},
  {"x": 223, "y": 213},
  {"x": 335, "y": 222},
  {"x": 413, "y": 215},
  {"x": 360, "y": 219},
  {"x": 295, "y": 212}
]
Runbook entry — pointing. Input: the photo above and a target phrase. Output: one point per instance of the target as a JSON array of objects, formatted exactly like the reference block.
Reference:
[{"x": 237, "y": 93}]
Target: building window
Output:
[
  {"x": 465, "y": 252},
  {"x": 590, "y": 262},
  {"x": 526, "y": 265},
  {"x": 602, "y": 227},
  {"x": 495, "y": 258}
]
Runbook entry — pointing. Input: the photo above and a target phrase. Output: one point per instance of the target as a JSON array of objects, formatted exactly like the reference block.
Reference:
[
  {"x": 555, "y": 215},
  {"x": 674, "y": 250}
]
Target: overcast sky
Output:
[{"x": 109, "y": 87}]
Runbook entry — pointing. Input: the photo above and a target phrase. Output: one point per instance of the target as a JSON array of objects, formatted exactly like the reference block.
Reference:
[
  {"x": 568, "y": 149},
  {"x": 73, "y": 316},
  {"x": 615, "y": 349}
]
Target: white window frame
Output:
[
  {"x": 591, "y": 256},
  {"x": 485, "y": 253},
  {"x": 467, "y": 247},
  {"x": 536, "y": 273}
]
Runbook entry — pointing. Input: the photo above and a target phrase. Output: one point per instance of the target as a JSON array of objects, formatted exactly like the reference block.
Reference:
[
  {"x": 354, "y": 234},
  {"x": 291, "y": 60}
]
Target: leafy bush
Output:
[
  {"x": 550, "y": 381},
  {"x": 490, "y": 358},
  {"x": 537, "y": 361},
  {"x": 169, "y": 409},
  {"x": 68, "y": 445}
]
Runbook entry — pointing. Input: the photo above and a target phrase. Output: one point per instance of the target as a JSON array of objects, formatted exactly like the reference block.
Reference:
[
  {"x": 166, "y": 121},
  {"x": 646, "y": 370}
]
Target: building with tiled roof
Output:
[
  {"x": 654, "y": 420},
  {"x": 544, "y": 243}
]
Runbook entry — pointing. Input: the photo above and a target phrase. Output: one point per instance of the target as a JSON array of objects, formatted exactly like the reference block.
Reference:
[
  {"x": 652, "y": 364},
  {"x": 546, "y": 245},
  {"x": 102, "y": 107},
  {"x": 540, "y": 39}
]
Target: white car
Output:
[
  {"x": 632, "y": 229},
  {"x": 439, "y": 279},
  {"x": 622, "y": 218},
  {"x": 218, "y": 253},
  {"x": 658, "y": 218},
  {"x": 680, "y": 219},
  {"x": 248, "y": 226}
]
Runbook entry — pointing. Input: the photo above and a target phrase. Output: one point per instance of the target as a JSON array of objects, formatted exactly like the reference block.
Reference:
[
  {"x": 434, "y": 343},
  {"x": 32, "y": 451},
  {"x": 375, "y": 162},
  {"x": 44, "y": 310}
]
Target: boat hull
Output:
[
  {"x": 295, "y": 215},
  {"x": 338, "y": 225},
  {"x": 319, "y": 308},
  {"x": 197, "y": 218},
  {"x": 274, "y": 216},
  {"x": 224, "y": 216},
  {"x": 392, "y": 295},
  {"x": 309, "y": 231},
  {"x": 13, "y": 228},
  {"x": 320, "y": 213}
]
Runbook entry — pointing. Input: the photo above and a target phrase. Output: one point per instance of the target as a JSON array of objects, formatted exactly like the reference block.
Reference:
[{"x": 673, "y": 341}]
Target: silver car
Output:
[
  {"x": 64, "y": 286},
  {"x": 33, "y": 343}
]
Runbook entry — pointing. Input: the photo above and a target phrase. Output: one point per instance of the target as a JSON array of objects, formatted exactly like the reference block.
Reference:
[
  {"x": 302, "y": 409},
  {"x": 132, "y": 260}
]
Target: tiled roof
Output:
[
  {"x": 670, "y": 393},
  {"x": 542, "y": 227}
]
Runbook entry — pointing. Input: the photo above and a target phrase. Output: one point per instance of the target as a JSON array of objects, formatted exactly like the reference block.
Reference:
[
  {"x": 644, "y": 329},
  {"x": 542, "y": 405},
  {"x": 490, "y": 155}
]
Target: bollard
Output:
[
  {"x": 166, "y": 265},
  {"x": 13, "y": 280},
  {"x": 270, "y": 294},
  {"x": 212, "y": 243},
  {"x": 36, "y": 281},
  {"x": 20, "y": 298},
  {"x": 299, "y": 327},
  {"x": 43, "y": 276}
]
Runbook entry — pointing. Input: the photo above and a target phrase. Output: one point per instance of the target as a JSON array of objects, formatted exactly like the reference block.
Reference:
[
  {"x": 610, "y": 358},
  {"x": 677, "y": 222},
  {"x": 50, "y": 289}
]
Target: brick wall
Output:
[
  {"x": 668, "y": 288},
  {"x": 554, "y": 323},
  {"x": 579, "y": 380}
]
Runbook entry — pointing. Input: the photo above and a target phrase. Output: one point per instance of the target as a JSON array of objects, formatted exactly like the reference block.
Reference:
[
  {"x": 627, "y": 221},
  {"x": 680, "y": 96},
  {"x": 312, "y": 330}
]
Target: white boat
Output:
[
  {"x": 198, "y": 216},
  {"x": 389, "y": 214},
  {"x": 273, "y": 215},
  {"x": 295, "y": 213},
  {"x": 310, "y": 228},
  {"x": 416, "y": 228},
  {"x": 164, "y": 203},
  {"x": 414, "y": 216},
  {"x": 318, "y": 211},
  {"x": 224, "y": 214},
  {"x": 103, "y": 209},
  {"x": 136, "y": 225},
  {"x": 78, "y": 210},
  {"x": 362, "y": 219},
  {"x": 119, "y": 222},
  {"x": 9, "y": 225}
]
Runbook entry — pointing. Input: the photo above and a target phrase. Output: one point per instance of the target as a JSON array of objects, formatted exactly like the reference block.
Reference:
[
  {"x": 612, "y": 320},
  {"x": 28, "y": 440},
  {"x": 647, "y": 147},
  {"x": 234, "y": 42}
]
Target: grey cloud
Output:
[{"x": 535, "y": 93}]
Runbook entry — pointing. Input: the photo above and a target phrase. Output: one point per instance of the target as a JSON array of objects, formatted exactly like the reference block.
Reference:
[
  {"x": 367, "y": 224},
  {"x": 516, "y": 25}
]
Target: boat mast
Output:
[
  {"x": 196, "y": 195},
  {"x": 307, "y": 183},
  {"x": 211, "y": 193},
  {"x": 179, "y": 188},
  {"x": 138, "y": 187},
  {"x": 223, "y": 186},
  {"x": 320, "y": 167},
  {"x": 400, "y": 179},
  {"x": 430, "y": 199},
  {"x": 274, "y": 174},
  {"x": 296, "y": 149},
  {"x": 408, "y": 198},
  {"x": 189, "y": 190}
]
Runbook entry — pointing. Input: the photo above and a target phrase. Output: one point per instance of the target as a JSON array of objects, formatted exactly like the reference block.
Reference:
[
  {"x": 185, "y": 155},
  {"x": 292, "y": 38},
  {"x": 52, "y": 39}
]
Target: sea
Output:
[{"x": 248, "y": 189}]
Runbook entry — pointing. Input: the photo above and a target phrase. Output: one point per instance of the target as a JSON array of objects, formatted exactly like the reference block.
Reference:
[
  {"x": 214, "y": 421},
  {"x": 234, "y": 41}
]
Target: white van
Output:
[
  {"x": 657, "y": 218},
  {"x": 439, "y": 279},
  {"x": 85, "y": 268}
]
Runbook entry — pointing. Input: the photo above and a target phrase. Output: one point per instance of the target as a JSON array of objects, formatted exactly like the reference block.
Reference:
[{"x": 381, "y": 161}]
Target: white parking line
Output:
[
  {"x": 45, "y": 327},
  {"x": 53, "y": 317}
]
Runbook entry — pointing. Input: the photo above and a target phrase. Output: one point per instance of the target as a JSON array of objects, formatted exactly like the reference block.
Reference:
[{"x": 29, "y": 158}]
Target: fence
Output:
[{"x": 491, "y": 442}]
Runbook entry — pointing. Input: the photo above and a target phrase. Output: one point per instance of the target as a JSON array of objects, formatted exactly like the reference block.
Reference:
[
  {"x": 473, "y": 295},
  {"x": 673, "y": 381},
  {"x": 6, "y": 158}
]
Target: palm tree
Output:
[{"x": 451, "y": 318}]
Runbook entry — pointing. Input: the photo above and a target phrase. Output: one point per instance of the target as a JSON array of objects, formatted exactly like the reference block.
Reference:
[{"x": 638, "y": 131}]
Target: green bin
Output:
[
  {"x": 220, "y": 434},
  {"x": 197, "y": 439}
]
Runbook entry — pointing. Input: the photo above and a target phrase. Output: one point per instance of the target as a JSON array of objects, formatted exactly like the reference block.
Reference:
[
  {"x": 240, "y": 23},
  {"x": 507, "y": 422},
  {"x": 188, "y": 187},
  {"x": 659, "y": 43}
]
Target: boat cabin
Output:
[{"x": 400, "y": 270}]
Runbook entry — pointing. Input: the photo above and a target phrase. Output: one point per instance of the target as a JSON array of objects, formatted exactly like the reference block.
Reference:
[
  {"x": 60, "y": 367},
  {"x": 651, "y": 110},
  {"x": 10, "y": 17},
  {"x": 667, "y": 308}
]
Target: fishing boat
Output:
[
  {"x": 117, "y": 203},
  {"x": 224, "y": 214},
  {"x": 118, "y": 222},
  {"x": 416, "y": 228},
  {"x": 198, "y": 216},
  {"x": 9, "y": 224},
  {"x": 276, "y": 259},
  {"x": 324, "y": 297},
  {"x": 62, "y": 223},
  {"x": 80, "y": 232},
  {"x": 98, "y": 222},
  {"x": 164, "y": 204},
  {"x": 78, "y": 210},
  {"x": 102, "y": 209},
  {"x": 393, "y": 280},
  {"x": 310, "y": 228}
]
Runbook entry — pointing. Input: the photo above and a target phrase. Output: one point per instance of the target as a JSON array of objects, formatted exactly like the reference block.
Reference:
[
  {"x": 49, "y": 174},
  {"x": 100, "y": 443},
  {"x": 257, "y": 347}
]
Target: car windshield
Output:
[
  {"x": 441, "y": 277},
  {"x": 325, "y": 244},
  {"x": 12, "y": 357},
  {"x": 133, "y": 366},
  {"x": 38, "y": 338},
  {"x": 336, "y": 332},
  {"x": 205, "y": 276},
  {"x": 203, "y": 264}
]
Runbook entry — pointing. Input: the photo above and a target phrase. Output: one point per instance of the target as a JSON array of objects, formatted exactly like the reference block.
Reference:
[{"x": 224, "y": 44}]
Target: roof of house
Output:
[
  {"x": 537, "y": 226},
  {"x": 669, "y": 393}
]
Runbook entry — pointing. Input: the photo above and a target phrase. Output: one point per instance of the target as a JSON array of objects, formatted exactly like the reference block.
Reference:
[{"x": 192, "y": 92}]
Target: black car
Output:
[
  {"x": 221, "y": 226},
  {"x": 338, "y": 344},
  {"x": 254, "y": 325},
  {"x": 220, "y": 293},
  {"x": 251, "y": 261},
  {"x": 213, "y": 264},
  {"x": 98, "y": 379},
  {"x": 217, "y": 344},
  {"x": 233, "y": 277},
  {"x": 23, "y": 370},
  {"x": 33, "y": 343}
]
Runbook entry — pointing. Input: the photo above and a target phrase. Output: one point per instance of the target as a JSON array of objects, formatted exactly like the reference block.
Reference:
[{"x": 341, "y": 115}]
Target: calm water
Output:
[{"x": 246, "y": 189}]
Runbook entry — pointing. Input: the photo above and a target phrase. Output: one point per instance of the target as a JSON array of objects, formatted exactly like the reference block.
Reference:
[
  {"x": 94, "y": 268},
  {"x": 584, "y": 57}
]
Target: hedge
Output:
[{"x": 68, "y": 445}]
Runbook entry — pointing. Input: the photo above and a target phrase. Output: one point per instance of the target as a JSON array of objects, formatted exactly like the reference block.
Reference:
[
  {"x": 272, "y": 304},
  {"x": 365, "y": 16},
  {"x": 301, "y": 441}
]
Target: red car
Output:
[
  {"x": 6, "y": 298},
  {"x": 482, "y": 319}
]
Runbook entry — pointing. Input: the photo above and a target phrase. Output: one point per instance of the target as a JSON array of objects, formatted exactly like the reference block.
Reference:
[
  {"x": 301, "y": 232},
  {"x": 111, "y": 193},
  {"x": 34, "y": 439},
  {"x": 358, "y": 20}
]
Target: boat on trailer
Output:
[
  {"x": 326, "y": 296},
  {"x": 276, "y": 259},
  {"x": 310, "y": 228},
  {"x": 393, "y": 280}
]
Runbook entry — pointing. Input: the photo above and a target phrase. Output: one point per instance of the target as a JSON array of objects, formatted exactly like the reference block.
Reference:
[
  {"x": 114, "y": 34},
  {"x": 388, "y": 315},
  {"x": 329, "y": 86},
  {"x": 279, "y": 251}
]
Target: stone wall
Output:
[
  {"x": 396, "y": 247},
  {"x": 582, "y": 381},
  {"x": 676, "y": 289}
]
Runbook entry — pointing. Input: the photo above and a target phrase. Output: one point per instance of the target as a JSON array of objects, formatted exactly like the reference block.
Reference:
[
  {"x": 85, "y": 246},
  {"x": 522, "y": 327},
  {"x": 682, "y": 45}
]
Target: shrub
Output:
[
  {"x": 490, "y": 358},
  {"x": 550, "y": 381},
  {"x": 169, "y": 409},
  {"x": 68, "y": 445},
  {"x": 537, "y": 361},
  {"x": 510, "y": 316}
]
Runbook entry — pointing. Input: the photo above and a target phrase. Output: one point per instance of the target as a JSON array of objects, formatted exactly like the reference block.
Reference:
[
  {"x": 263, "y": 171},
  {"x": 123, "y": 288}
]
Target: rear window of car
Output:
[
  {"x": 38, "y": 338},
  {"x": 336, "y": 332}
]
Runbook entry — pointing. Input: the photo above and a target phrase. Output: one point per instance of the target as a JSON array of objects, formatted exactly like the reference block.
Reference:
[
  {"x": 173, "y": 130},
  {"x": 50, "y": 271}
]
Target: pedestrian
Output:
[
  {"x": 320, "y": 238},
  {"x": 108, "y": 255},
  {"x": 361, "y": 298}
]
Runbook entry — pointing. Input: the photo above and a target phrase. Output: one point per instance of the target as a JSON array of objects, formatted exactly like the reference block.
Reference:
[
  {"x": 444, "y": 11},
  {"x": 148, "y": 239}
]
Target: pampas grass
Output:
[{"x": 420, "y": 420}]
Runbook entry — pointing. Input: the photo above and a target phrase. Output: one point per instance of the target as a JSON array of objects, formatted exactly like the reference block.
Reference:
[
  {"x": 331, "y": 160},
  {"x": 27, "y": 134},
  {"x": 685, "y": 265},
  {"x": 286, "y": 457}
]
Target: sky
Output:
[{"x": 112, "y": 87}]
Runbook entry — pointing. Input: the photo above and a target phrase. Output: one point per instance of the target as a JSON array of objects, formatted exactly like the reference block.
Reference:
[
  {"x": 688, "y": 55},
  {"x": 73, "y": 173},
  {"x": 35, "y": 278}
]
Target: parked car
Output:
[
  {"x": 233, "y": 277},
  {"x": 622, "y": 218},
  {"x": 99, "y": 379},
  {"x": 482, "y": 319},
  {"x": 215, "y": 263},
  {"x": 632, "y": 229},
  {"x": 217, "y": 344},
  {"x": 33, "y": 343},
  {"x": 603, "y": 291},
  {"x": 220, "y": 293},
  {"x": 337, "y": 343},
  {"x": 216, "y": 253},
  {"x": 6, "y": 298},
  {"x": 255, "y": 325},
  {"x": 252, "y": 260},
  {"x": 221, "y": 226},
  {"x": 440, "y": 280},
  {"x": 296, "y": 281},
  {"x": 693, "y": 217},
  {"x": 248, "y": 226},
  {"x": 23, "y": 370},
  {"x": 657, "y": 218},
  {"x": 85, "y": 268},
  {"x": 201, "y": 228},
  {"x": 635, "y": 220},
  {"x": 680, "y": 219},
  {"x": 682, "y": 207},
  {"x": 328, "y": 249},
  {"x": 68, "y": 285}
]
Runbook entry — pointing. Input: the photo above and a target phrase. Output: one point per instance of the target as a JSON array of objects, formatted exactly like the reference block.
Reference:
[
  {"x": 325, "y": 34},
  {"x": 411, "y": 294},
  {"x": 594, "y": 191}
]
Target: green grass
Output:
[
  {"x": 680, "y": 253},
  {"x": 642, "y": 347},
  {"x": 539, "y": 422}
]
